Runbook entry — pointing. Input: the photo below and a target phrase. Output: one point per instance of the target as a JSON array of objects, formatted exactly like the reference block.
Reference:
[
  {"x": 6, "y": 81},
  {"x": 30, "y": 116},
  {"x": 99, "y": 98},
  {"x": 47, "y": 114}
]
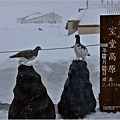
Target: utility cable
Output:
[{"x": 51, "y": 48}]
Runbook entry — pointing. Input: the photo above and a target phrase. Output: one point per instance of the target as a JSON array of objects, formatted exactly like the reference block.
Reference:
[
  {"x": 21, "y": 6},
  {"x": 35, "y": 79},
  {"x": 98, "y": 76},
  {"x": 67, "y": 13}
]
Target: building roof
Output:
[
  {"x": 78, "y": 16},
  {"x": 90, "y": 16},
  {"x": 36, "y": 15}
]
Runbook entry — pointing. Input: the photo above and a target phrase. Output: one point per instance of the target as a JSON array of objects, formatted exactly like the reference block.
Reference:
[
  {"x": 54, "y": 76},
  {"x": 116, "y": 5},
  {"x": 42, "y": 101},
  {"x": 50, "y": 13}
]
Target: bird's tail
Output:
[
  {"x": 88, "y": 54},
  {"x": 12, "y": 56}
]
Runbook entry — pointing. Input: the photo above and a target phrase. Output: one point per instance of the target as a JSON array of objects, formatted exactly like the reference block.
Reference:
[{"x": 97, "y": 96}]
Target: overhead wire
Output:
[{"x": 49, "y": 48}]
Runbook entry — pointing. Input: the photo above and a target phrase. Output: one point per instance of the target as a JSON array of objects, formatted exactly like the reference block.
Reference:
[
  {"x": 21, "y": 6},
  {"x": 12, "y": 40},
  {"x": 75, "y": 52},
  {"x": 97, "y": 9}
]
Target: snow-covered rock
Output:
[
  {"x": 30, "y": 97},
  {"x": 77, "y": 99}
]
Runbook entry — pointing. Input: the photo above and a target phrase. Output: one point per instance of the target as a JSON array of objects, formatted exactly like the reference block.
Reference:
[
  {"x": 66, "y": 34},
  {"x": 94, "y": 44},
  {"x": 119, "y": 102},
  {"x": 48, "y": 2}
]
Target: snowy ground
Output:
[{"x": 51, "y": 65}]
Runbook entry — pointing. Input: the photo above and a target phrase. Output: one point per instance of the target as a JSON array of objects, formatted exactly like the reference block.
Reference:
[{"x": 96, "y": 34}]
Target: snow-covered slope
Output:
[
  {"x": 53, "y": 73},
  {"x": 18, "y": 37}
]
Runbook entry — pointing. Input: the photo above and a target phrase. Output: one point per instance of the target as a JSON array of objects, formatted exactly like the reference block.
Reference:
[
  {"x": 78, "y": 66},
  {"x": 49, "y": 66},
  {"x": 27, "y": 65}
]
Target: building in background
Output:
[
  {"x": 87, "y": 20},
  {"x": 39, "y": 18}
]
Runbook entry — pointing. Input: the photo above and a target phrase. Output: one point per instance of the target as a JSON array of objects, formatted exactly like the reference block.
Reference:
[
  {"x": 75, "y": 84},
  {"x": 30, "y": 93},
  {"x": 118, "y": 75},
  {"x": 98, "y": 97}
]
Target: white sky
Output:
[{"x": 10, "y": 10}]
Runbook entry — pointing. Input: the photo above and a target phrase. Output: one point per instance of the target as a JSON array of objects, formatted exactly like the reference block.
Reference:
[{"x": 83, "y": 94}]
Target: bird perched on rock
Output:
[
  {"x": 80, "y": 50},
  {"x": 26, "y": 55}
]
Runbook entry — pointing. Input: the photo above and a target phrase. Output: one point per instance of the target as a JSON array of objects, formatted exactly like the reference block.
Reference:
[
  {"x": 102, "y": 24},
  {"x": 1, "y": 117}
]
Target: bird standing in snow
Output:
[
  {"x": 80, "y": 50},
  {"x": 26, "y": 55}
]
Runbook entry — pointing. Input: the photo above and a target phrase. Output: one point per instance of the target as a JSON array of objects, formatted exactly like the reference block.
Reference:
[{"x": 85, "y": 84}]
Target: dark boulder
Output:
[
  {"x": 77, "y": 99},
  {"x": 31, "y": 100}
]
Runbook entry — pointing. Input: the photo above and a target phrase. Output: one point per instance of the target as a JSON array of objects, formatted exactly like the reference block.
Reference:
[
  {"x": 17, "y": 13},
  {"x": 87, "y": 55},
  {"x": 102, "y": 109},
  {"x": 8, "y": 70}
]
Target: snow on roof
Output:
[
  {"x": 91, "y": 15},
  {"x": 34, "y": 15},
  {"x": 78, "y": 16}
]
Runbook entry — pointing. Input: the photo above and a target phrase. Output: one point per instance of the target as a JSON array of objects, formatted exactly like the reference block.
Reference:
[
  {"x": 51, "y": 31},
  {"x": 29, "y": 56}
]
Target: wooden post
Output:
[{"x": 110, "y": 63}]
